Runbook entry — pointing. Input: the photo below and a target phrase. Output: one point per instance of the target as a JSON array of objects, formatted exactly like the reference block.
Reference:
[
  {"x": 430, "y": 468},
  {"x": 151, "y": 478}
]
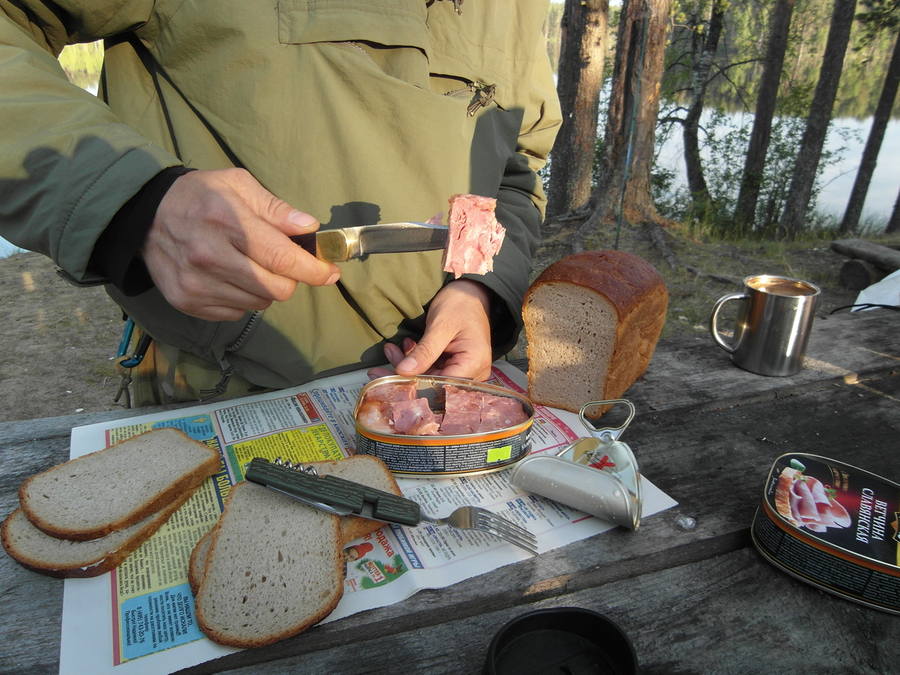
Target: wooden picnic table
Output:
[{"x": 693, "y": 599}]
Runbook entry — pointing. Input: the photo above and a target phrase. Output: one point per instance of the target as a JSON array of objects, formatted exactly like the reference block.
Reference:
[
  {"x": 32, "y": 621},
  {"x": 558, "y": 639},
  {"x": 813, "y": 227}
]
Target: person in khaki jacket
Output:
[{"x": 221, "y": 129}]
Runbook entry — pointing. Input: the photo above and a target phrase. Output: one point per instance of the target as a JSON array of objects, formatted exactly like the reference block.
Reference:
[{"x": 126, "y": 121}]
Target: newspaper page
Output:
[{"x": 139, "y": 618}]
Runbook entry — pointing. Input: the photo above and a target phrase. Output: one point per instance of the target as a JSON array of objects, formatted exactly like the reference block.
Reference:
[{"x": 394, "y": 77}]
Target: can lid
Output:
[{"x": 561, "y": 640}]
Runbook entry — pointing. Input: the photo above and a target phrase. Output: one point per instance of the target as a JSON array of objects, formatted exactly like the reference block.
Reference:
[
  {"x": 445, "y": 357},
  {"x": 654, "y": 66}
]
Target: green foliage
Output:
[
  {"x": 878, "y": 16},
  {"x": 82, "y": 63},
  {"x": 738, "y": 62}
]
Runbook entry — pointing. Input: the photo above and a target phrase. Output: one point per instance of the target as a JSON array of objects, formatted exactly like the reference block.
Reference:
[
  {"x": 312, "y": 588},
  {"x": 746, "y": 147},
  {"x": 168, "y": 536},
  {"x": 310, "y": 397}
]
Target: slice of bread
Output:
[
  {"x": 56, "y": 557},
  {"x": 112, "y": 489},
  {"x": 368, "y": 470},
  {"x": 592, "y": 321},
  {"x": 272, "y": 570},
  {"x": 365, "y": 469},
  {"x": 197, "y": 561}
]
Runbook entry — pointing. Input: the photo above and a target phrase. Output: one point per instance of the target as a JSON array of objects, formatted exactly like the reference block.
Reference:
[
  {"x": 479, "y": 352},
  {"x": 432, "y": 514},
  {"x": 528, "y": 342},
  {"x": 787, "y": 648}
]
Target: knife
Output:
[
  {"x": 332, "y": 494},
  {"x": 346, "y": 243}
]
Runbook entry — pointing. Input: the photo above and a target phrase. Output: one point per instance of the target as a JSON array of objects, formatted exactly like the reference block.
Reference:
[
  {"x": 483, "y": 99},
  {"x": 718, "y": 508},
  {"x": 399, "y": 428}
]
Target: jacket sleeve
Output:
[
  {"x": 67, "y": 164},
  {"x": 521, "y": 203}
]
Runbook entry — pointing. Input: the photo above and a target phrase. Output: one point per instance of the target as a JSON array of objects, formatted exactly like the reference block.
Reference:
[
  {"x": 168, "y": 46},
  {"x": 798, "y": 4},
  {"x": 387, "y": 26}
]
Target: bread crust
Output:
[
  {"x": 92, "y": 566},
  {"x": 184, "y": 484}
]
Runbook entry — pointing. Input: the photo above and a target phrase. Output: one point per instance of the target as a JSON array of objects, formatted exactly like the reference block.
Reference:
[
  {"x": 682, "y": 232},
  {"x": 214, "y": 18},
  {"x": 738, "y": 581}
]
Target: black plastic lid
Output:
[{"x": 567, "y": 640}]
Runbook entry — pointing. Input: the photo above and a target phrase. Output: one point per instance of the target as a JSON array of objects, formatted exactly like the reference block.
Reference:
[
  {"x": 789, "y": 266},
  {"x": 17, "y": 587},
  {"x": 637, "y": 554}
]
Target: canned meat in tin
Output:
[
  {"x": 435, "y": 425},
  {"x": 834, "y": 526}
]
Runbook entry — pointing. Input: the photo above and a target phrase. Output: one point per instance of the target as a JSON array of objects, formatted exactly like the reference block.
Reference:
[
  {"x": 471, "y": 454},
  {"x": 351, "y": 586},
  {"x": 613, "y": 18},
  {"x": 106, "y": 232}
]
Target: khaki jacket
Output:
[{"x": 357, "y": 111}]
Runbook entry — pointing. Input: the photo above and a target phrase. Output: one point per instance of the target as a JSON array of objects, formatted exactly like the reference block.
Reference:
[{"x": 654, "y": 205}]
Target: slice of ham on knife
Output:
[{"x": 475, "y": 235}]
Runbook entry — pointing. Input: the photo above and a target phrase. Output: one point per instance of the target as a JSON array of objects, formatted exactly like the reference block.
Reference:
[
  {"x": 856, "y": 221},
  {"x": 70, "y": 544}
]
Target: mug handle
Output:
[{"x": 714, "y": 317}]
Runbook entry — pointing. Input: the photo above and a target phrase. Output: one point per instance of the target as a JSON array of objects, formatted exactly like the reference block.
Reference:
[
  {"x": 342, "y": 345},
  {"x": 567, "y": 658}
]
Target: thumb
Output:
[
  {"x": 284, "y": 216},
  {"x": 423, "y": 355}
]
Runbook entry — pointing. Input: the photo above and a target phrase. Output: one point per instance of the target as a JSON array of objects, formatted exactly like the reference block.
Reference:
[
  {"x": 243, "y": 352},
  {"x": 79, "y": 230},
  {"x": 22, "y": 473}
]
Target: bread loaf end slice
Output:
[
  {"x": 273, "y": 569},
  {"x": 592, "y": 321},
  {"x": 111, "y": 489}
]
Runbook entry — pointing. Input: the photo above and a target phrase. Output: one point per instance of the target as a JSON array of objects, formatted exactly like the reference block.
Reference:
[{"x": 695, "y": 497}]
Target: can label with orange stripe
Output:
[
  {"x": 437, "y": 425},
  {"x": 833, "y": 525}
]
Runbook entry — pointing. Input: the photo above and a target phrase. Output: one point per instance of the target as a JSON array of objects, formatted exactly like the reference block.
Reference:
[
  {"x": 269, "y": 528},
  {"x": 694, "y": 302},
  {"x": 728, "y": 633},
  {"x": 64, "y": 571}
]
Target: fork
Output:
[{"x": 477, "y": 518}]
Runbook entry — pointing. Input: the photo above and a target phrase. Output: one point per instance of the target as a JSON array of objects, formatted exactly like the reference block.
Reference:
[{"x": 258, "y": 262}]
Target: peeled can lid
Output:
[{"x": 561, "y": 640}]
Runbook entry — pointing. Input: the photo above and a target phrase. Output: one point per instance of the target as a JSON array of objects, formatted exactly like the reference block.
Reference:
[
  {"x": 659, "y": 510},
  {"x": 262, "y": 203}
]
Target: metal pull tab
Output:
[{"x": 606, "y": 433}]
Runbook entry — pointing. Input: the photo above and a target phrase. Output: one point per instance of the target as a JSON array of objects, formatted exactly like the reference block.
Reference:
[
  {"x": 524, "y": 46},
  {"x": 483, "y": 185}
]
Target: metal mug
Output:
[{"x": 773, "y": 324}]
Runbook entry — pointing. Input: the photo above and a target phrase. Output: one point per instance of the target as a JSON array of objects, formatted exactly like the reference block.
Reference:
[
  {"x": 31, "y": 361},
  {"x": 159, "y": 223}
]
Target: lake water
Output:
[{"x": 837, "y": 180}]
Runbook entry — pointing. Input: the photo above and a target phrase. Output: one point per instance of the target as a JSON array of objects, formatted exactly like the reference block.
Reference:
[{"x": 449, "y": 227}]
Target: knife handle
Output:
[
  {"x": 336, "y": 492},
  {"x": 306, "y": 241}
]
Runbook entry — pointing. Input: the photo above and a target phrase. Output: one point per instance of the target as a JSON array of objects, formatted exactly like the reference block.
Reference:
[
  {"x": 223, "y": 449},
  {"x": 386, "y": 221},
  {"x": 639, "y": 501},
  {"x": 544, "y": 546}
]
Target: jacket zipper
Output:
[
  {"x": 482, "y": 95},
  {"x": 224, "y": 366}
]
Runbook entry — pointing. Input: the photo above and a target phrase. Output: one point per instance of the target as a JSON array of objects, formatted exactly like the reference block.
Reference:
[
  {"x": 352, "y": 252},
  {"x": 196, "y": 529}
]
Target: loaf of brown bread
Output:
[{"x": 592, "y": 321}]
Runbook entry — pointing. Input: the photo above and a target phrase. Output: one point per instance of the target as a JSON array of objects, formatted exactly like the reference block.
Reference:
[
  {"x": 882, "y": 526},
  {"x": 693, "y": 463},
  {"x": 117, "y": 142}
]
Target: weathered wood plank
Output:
[
  {"x": 689, "y": 371},
  {"x": 726, "y": 614},
  {"x": 882, "y": 257}
]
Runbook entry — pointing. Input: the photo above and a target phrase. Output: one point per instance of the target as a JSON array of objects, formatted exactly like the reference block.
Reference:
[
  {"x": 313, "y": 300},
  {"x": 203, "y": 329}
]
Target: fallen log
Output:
[
  {"x": 858, "y": 274},
  {"x": 884, "y": 258}
]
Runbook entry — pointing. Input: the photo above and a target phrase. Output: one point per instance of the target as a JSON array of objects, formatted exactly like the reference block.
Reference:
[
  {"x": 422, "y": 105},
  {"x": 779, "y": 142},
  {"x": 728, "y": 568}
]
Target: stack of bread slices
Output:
[
  {"x": 270, "y": 567},
  {"x": 83, "y": 517}
]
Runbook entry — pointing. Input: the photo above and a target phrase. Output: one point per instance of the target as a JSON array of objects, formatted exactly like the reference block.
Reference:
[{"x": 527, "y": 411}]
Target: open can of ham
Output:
[
  {"x": 832, "y": 525},
  {"x": 432, "y": 425}
]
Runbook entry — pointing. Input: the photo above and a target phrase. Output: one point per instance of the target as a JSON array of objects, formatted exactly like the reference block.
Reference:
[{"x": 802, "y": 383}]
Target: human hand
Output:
[
  {"x": 219, "y": 247},
  {"x": 457, "y": 339}
]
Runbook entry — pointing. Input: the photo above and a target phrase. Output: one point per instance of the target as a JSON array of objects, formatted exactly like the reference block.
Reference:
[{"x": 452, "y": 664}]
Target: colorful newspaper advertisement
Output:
[{"x": 139, "y": 618}]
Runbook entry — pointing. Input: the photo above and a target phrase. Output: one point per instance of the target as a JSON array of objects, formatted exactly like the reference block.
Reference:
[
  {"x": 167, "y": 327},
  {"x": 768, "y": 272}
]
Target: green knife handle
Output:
[{"x": 336, "y": 492}]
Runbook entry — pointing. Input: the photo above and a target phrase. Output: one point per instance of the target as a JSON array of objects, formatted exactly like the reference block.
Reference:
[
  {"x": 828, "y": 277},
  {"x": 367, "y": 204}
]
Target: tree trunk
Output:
[
  {"x": 894, "y": 223},
  {"x": 703, "y": 51},
  {"x": 579, "y": 79},
  {"x": 624, "y": 187},
  {"x": 751, "y": 179},
  {"x": 873, "y": 143},
  {"x": 807, "y": 162}
]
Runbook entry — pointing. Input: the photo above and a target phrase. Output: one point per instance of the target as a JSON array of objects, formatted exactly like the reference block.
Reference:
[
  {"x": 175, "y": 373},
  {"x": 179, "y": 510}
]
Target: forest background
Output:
[{"x": 59, "y": 348}]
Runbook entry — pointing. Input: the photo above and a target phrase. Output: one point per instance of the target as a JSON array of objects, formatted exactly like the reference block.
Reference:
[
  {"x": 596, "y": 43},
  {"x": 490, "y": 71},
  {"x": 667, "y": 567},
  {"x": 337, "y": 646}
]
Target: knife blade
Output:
[
  {"x": 333, "y": 494},
  {"x": 346, "y": 243}
]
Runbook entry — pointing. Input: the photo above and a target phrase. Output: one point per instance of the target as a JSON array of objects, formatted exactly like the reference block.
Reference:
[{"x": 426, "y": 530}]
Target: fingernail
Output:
[
  {"x": 333, "y": 279},
  {"x": 299, "y": 218},
  {"x": 409, "y": 363}
]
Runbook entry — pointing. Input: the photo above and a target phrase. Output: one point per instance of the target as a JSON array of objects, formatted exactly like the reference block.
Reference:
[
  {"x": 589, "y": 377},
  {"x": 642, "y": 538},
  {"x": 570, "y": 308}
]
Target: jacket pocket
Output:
[
  {"x": 389, "y": 23},
  {"x": 474, "y": 55}
]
